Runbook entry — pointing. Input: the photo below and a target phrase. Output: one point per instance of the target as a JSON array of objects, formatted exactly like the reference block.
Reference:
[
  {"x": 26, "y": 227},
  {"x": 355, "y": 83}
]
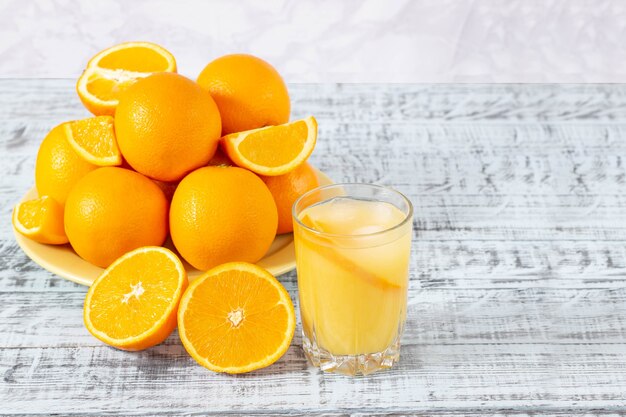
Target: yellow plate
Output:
[{"x": 63, "y": 261}]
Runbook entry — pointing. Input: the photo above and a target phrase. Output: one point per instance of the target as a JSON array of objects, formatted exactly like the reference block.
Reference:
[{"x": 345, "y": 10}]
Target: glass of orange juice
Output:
[{"x": 353, "y": 244}]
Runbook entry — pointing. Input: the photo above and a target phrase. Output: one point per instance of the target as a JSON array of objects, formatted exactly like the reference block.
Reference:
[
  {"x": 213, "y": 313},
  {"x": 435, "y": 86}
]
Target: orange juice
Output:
[{"x": 352, "y": 256}]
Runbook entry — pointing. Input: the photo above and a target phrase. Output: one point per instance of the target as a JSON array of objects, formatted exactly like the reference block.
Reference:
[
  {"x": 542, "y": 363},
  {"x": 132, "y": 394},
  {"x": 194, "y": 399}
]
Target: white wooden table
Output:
[{"x": 518, "y": 272}]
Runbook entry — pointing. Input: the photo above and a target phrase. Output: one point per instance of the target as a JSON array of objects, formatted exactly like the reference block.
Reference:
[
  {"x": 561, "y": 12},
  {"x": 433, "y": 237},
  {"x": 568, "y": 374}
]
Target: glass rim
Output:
[{"x": 408, "y": 216}]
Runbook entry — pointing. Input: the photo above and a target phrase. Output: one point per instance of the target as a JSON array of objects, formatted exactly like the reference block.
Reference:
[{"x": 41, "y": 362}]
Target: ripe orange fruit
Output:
[
  {"x": 167, "y": 126},
  {"x": 273, "y": 150},
  {"x": 287, "y": 188},
  {"x": 114, "y": 69},
  {"x": 133, "y": 304},
  {"x": 236, "y": 318},
  {"x": 94, "y": 140},
  {"x": 58, "y": 166},
  {"x": 222, "y": 214},
  {"x": 111, "y": 211},
  {"x": 248, "y": 91},
  {"x": 41, "y": 220}
]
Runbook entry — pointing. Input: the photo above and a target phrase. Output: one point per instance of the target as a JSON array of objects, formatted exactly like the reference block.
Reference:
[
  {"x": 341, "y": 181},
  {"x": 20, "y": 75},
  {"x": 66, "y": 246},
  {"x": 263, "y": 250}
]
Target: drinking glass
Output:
[{"x": 353, "y": 243}]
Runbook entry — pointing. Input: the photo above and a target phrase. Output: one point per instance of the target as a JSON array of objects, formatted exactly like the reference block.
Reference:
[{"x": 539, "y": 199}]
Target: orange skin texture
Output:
[
  {"x": 111, "y": 211},
  {"x": 167, "y": 126},
  {"x": 286, "y": 189},
  {"x": 58, "y": 166},
  {"x": 249, "y": 92},
  {"x": 261, "y": 337},
  {"x": 222, "y": 214}
]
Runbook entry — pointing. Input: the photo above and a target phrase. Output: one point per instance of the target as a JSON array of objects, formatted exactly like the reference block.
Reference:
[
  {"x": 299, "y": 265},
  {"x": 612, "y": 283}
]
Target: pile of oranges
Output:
[{"x": 215, "y": 164}]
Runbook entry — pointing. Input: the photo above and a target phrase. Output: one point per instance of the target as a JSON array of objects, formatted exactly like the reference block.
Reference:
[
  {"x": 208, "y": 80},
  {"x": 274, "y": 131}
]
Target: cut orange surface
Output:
[
  {"x": 236, "y": 318},
  {"x": 273, "y": 150},
  {"x": 94, "y": 140},
  {"x": 133, "y": 304},
  {"x": 41, "y": 220},
  {"x": 113, "y": 70}
]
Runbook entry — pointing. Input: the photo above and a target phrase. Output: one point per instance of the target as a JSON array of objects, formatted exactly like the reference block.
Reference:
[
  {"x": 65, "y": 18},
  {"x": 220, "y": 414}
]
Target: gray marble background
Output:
[{"x": 331, "y": 40}]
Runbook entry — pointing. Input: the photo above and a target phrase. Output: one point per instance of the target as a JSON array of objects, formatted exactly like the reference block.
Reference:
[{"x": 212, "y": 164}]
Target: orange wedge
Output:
[
  {"x": 273, "y": 150},
  {"x": 94, "y": 140},
  {"x": 113, "y": 70},
  {"x": 236, "y": 318},
  {"x": 133, "y": 304},
  {"x": 41, "y": 220}
]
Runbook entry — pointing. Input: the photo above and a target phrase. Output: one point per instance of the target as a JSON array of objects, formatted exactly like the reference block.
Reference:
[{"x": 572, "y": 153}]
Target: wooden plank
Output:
[
  {"x": 434, "y": 264},
  {"x": 456, "y": 377},
  {"x": 436, "y": 316}
]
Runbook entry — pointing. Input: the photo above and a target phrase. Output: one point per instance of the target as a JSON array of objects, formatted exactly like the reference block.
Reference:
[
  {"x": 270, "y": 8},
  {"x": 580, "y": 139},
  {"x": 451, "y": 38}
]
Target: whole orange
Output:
[
  {"x": 221, "y": 214},
  {"x": 58, "y": 166},
  {"x": 287, "y": 188},
  {"x": 166, "y": 126},
  {"x": 111, "y": 211},
  {"x": 249, "y": 92}
]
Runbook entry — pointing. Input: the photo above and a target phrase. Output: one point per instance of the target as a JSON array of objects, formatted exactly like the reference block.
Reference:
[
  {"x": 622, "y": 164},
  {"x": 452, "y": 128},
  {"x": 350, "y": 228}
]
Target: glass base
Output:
[{"x": 352, "y": 365}]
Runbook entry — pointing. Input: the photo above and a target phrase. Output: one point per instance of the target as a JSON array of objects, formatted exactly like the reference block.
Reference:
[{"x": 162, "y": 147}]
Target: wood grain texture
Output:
[{"x": 517, "y": 303}]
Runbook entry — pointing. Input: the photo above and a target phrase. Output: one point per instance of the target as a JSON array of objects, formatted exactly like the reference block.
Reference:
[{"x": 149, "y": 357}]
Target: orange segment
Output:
[
  {"x": 40, "y": 220},
  {"x": 236, "y": 318},
  {"x": 324, "y": 248},
  {"x": 360, "y": 255},
  {"x": 135, "y": 57},
  {"x": 105, "y": 87},
  {"x": 273, "y": 150},
  {"x": 94, "y": 140},
  {"x": 133, "y": 304},
  {"x": 113, "y": 70}
]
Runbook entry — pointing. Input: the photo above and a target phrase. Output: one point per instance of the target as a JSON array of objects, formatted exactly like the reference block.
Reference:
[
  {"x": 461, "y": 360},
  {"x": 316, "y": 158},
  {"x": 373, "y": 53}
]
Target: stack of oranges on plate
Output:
[{"x": 213, "y": 163}]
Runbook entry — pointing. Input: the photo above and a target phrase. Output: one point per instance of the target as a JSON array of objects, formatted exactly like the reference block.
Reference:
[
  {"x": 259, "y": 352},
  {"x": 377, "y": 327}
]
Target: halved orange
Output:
[
  {"x": 236, "y": 318},
  {"x": 133, "y": 304},
  {"x": 41, "y": 220},
  {"x": 272, "y": 150},
  {"x": 94, "y": 140},
  {"x": 114, "y": 69}
]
